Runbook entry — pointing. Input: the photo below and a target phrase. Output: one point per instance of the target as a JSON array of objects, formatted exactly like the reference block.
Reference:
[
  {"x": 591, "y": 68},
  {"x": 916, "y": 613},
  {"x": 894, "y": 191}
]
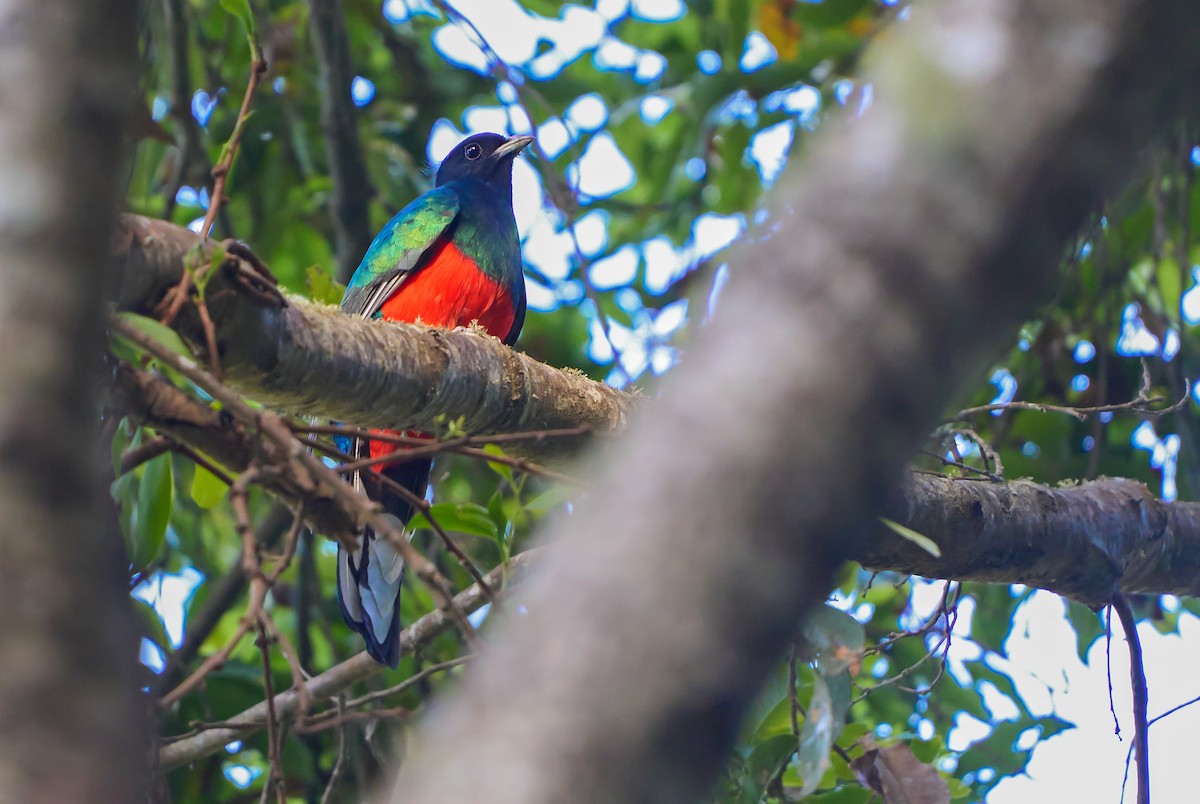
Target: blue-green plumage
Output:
[{"x": 450, "y": 257}]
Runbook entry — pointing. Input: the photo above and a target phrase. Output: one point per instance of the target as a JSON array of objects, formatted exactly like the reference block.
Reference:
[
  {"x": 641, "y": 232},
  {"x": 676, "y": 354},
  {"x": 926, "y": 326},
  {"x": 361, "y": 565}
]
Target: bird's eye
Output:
[{"x": 473, "y": 151}]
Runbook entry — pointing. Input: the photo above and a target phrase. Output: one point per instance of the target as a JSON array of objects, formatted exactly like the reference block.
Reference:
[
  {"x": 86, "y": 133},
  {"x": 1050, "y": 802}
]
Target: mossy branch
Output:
[{"x": 310, "y": 359}]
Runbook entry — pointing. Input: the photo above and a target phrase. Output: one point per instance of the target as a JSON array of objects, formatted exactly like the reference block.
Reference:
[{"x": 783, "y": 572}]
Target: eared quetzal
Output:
[{"x": 450, "y": 258}]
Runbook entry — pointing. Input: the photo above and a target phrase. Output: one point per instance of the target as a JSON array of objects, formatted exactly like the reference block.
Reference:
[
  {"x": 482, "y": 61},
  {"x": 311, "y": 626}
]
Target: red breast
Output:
[{"x": 449, "y": 291}]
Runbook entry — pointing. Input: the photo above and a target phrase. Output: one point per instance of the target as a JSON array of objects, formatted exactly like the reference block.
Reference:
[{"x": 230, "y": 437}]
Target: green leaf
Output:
[
  {"x": 495, "y": 509},
  {"x": 121, "y": 441},
  {"x": 762, "y": 765},
  {"x": 816, "y": 738},
  {"x": 852, "y": 733},
  {"x": 1051, "y": 725},
  {"x": 207, "y": 489},
  {"x": 549, "y": 500},
  {"x": 958, "y": 788},
  {"x": 835, "y": 637},
  {"x": 504, "y": 470},
  {"x": 322, "y": 287},
  {"x": 152, "y": 624},
  {"x": 1170, "y": 285},
  {"x": 155, "y": 494},
  {"x": 155, "y": 330},
  {"x": 763, "y": 717},
  {"x": 920, "y": 540},
  {"x": 241, "y": 9},
  {"x": 468, "y": 518},
  {"x": 926, "y": 750},
  {"x": 777, "y": 722}
]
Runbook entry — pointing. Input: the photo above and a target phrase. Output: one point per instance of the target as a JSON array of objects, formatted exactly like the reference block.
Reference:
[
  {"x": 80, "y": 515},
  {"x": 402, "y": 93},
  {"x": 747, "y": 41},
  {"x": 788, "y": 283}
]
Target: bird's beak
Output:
[{"x": 513, "y": 146}]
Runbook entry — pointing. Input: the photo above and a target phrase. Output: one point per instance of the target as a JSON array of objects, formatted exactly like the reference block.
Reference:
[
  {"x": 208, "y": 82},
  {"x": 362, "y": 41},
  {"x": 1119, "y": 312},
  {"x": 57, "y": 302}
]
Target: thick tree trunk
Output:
[
  {"x": 910, "y": 245},
  {"x": 70, "y": 719}
]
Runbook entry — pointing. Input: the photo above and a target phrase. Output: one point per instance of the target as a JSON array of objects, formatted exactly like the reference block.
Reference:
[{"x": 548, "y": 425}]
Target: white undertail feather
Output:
[
  {"x": 348, "y": 585},
  {"x": 370, "y": 598},
  {"x": 385, "y": 569}
]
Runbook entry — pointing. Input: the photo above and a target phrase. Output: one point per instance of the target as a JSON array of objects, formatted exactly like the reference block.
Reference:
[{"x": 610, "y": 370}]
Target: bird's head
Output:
[{"x": 486, "y": 157}]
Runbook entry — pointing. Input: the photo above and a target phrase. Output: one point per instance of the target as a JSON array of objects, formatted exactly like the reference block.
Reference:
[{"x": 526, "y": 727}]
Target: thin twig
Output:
[
  {"x": 208, "y": 738},
  {"x": 1173, "y": 710},
  {"x": 463, "y": 441},
  {"x": 340, "y": 762},
  {"x": 306, "y": 468},
  {"x": 221, "y": 171},
  {"x": 412, "y": 680},
  {"x": 1137, "y": 680},
  {"x": 175, "y": 298},
  {"x": 1151, "y": 722},
  {"x": 147, "y": 451},
  {"x": 946, "y": 611},
  {"x": 463, "y": 445},
  {"x": 259, "y": 586},
  {"x": 258, "y": 591},
  {"x": 371, "y": 715},
  {"x": 1141, "y": 406},
  {"x": 210, "y": 336},
  {"x": 966, "y": 467},
  {"x": 198, "y": 458},
  {"x": 275, "y": 777},
  {"x": 1112, "y": 707}
]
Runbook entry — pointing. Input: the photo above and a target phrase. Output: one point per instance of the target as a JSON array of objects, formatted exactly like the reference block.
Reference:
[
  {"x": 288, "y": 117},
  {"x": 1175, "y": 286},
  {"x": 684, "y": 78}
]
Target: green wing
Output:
[{"x": 398, "y": 248}]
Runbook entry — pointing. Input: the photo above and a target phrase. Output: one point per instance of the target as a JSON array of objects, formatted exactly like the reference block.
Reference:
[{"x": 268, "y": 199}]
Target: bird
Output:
[{"x": 449, "y": 259}]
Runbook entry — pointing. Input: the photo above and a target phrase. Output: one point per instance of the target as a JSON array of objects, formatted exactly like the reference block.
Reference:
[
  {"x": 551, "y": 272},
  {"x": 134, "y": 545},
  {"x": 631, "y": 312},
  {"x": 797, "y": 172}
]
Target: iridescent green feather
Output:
[{"x": 399, "y": 246}]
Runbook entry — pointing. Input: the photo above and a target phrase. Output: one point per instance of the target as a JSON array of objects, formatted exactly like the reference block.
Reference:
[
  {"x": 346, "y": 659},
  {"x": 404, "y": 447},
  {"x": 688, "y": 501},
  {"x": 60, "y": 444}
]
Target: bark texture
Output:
[
  {"x": 70, "y": 720},
  {"x": 912, "y": 242},
  {"x": 314, "y": 360},
  {"x": 1084, "y": 542}
]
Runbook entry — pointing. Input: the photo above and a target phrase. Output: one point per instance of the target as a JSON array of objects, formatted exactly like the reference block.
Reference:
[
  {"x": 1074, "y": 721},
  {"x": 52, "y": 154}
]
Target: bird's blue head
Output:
[{"x": 485, "y": 157}]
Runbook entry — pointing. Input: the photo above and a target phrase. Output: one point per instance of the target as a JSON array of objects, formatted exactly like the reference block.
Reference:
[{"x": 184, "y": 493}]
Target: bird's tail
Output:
[
  {"x": 368, "y": 584},
  {"x": 369, "y": 577}
]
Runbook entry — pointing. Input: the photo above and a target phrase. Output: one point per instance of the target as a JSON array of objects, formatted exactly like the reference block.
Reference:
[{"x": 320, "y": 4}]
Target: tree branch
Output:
[
  {"x": 313, "y": 360},
  {"x": 1084, "y": 542},
  {"x": 336, "y": 679}
]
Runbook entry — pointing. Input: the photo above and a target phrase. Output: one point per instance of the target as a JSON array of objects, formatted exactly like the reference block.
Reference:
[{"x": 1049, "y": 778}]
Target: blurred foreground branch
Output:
[
  {"x": 908, "y": 248},
  {"x": 71, "y": 725}
]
